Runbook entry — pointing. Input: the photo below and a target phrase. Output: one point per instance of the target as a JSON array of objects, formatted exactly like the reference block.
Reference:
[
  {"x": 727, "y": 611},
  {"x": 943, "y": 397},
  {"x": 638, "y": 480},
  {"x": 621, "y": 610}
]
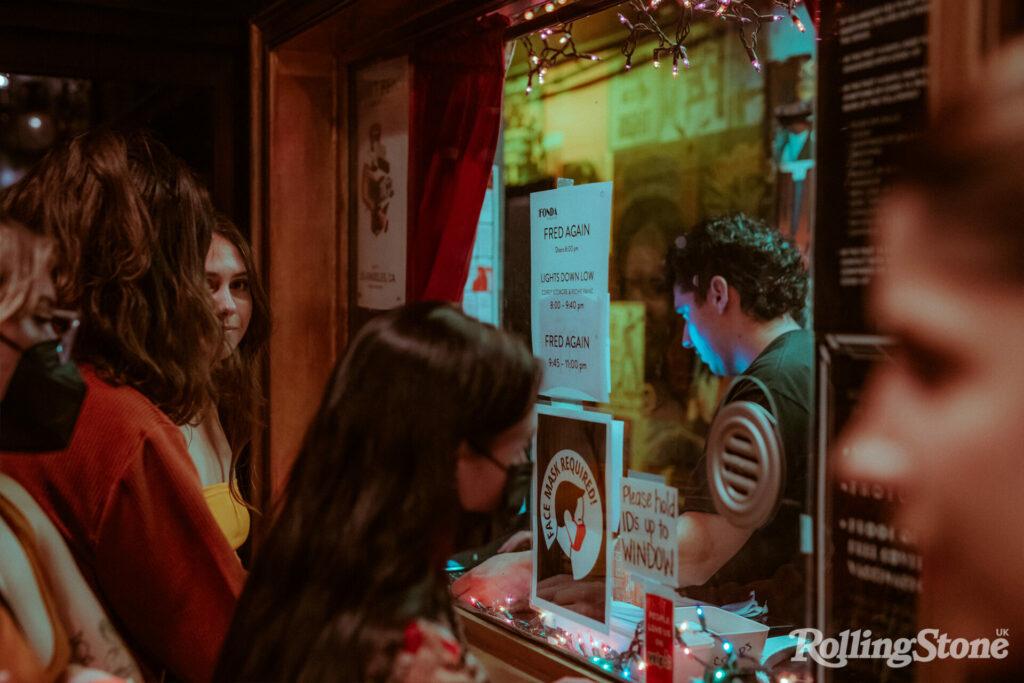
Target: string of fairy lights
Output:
[
  {"x": 738, "y": 666},
  {"x": 626, "y": 664},
  {"x": 629, "y": 664},
  {"x": 549, "y": 55},
  {"x": 653, "y": 18}
]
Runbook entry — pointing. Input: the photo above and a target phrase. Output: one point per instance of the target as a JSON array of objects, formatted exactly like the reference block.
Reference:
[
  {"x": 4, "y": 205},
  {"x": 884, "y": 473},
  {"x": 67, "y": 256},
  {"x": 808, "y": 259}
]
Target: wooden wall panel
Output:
[{"x": 303, "y": 244}]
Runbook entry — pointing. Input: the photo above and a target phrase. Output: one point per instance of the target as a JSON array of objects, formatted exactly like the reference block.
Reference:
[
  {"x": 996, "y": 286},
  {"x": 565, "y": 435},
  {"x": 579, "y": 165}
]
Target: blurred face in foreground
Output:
[{"x": 945, "y": 422}]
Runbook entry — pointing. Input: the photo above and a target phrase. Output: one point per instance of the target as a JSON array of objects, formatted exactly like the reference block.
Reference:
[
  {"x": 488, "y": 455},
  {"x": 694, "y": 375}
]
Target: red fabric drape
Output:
[
  {"x": 458, "y": 80},
  {"x": 812, "y": 10}
]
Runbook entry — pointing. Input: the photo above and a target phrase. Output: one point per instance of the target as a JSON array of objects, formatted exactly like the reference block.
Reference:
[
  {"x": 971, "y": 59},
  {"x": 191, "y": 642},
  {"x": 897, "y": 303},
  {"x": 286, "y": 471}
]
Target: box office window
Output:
[{"x": 715, "y": 138}]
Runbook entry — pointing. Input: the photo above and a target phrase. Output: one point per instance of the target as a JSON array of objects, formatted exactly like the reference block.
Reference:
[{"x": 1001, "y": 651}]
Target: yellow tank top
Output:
[{"x": 231, "y": 515}]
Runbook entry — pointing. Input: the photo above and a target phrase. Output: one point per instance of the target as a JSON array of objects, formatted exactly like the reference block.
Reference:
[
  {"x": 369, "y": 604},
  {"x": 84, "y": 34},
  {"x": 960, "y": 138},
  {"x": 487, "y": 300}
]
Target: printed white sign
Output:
[
  {"x": 382, "y": 94},
  {"x": 573, "y": 490},
  {"x": 569, "y": 239},
  {"x": 647, "y": 530}
]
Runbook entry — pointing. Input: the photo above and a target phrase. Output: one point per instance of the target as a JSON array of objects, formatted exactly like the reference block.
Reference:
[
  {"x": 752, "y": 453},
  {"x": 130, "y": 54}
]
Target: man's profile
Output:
[{"x": 741, "y": 288}]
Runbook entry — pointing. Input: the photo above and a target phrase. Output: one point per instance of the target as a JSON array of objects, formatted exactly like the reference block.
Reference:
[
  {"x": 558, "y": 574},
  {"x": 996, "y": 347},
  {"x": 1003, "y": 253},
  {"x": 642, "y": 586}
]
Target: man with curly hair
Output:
[{"x": 741, "y": 288}]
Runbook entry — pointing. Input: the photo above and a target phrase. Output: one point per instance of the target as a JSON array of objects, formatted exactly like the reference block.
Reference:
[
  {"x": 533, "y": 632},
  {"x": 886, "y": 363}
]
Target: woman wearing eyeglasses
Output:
[
  {"x": 131, "y": 227},
  {"x": 44, "y": 600}
]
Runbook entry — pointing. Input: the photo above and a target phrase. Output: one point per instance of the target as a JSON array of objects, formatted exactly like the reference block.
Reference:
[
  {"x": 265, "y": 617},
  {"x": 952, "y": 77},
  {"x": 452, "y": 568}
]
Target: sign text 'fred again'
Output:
[
  {"x": 571, "y": 341},
  {"x": 559, "y": 232}
]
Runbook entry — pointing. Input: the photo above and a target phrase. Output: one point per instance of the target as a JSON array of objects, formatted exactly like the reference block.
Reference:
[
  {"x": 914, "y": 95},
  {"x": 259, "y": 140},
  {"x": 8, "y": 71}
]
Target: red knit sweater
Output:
[{"x": 128, "y": 501}]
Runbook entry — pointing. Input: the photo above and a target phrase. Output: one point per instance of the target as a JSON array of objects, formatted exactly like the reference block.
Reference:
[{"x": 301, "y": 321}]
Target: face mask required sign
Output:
[{"x": 569, "y": 237}]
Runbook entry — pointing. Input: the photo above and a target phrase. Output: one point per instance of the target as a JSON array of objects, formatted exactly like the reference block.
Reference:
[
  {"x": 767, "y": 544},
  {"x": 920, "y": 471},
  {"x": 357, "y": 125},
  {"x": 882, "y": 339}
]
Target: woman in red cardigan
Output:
[{"x": 132, "y": 226}]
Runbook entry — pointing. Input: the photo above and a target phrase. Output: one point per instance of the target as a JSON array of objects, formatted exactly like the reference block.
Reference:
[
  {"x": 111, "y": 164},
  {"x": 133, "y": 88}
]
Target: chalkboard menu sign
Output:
[
  {"x": 872, "y": 99},
  {"x": 872, "y": 571}
]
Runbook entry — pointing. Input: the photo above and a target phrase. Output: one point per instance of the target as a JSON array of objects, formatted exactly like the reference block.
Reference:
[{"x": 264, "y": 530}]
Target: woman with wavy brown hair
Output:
[
  {"x": 219, "y": 436},
  {"x": 132, "y": 226}
]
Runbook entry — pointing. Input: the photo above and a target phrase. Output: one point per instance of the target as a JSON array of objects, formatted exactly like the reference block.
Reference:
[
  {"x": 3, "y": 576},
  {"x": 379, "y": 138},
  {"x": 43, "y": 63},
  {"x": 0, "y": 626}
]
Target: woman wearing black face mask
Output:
[
  {"x": 350, "y": 583},
  {"x": 43, "y": 597},
  {"x": 505, "y": 527}
]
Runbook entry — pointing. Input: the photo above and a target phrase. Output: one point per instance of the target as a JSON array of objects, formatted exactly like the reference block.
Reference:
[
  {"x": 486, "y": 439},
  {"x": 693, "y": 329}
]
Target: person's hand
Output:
[
  {"x": 586, "y": 597},
  {"x": 520, "y": 540},
  {"x": 504, "y": 576}
]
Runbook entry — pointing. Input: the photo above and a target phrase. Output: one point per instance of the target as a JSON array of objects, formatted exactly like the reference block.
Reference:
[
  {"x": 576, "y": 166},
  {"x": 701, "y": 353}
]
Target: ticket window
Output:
[{"x": 717, "y": 138}]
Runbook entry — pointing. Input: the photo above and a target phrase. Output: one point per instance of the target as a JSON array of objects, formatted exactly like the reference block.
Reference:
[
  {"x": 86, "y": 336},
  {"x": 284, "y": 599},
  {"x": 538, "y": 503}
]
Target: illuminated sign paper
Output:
[
  {"x": 574, "y": 482},
  {"x": 569, "y": 239}
]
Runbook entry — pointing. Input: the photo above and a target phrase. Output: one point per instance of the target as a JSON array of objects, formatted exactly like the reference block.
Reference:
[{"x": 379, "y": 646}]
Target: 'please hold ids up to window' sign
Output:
[{"x": 647, "y": 531}]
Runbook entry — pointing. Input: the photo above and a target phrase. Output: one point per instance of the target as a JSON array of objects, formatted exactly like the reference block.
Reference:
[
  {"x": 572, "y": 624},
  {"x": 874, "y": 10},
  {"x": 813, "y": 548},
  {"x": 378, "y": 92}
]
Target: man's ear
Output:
[{"x": 718, "y": 293}]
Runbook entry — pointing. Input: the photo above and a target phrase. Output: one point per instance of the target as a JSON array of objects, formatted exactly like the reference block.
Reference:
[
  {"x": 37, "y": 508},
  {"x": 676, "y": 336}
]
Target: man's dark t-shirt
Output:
[{"x": 786, "y": 368}]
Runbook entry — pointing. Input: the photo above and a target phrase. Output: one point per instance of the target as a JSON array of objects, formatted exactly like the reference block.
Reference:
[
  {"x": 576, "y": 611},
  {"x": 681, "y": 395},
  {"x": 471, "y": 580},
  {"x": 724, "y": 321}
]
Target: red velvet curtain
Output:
[
  {"x": 458, "y": 80},
  {"x": 813, "y": 10}
]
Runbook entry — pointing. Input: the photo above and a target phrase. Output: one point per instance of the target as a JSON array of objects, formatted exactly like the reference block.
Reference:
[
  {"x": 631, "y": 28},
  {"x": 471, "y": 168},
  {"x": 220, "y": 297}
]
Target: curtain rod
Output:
[{"x": 563, "y": 15}]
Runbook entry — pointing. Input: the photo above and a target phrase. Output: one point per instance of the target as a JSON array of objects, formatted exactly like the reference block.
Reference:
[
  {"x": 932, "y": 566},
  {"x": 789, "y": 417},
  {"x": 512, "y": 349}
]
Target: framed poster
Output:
[
  {"x": 382, "y": 178},
  {"x": 574, "y": 486}
]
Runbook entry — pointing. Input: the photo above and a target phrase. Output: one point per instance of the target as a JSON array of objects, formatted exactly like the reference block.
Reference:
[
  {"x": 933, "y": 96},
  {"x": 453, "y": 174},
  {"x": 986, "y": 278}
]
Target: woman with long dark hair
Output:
[
  {"x": 219, "y": 435},
  {"x": 421, "y": 419},
  {"x": 131, "y": 227}
]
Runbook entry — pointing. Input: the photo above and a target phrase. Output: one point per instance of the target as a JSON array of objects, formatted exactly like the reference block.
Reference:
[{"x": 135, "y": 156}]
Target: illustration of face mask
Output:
[
  {"x": 576, "y": 527},
  {"x": 581, "y": 531}
]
